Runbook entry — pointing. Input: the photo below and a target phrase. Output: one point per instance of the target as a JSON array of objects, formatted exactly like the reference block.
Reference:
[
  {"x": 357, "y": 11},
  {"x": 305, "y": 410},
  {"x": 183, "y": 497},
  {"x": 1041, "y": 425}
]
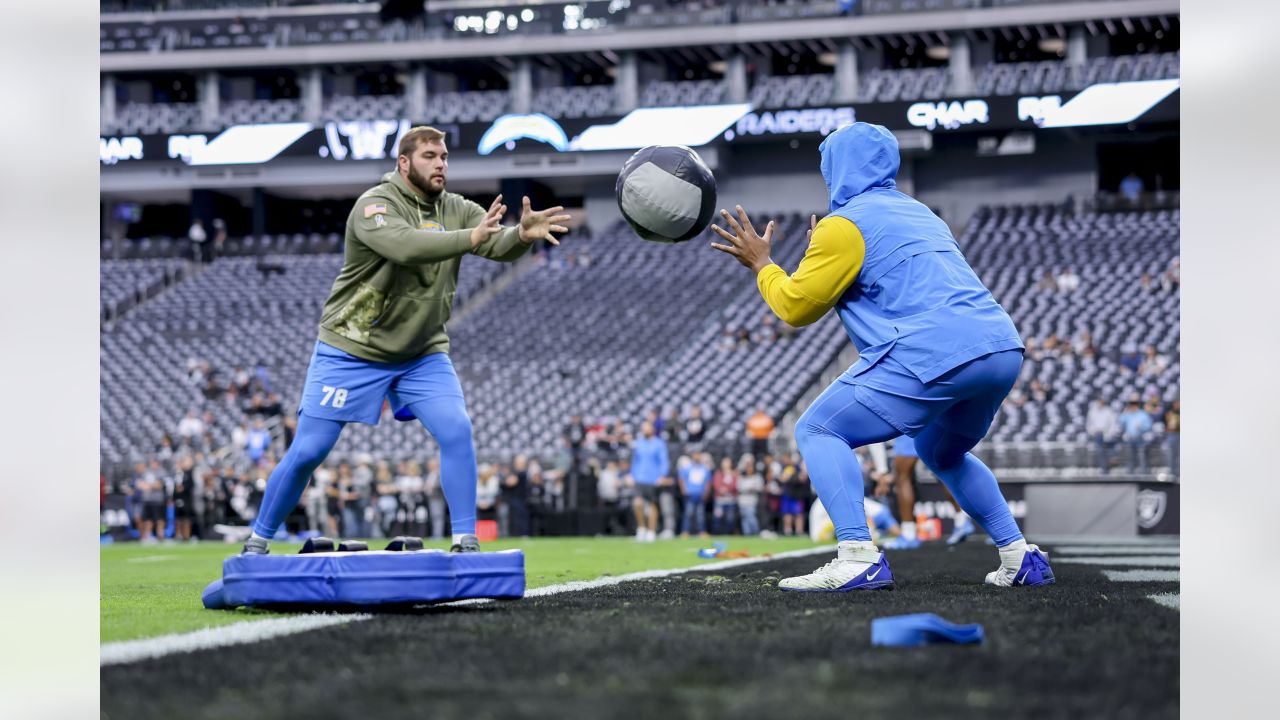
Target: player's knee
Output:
[
  {"x": 310, "y": 450},
  {"x": 454, "y": 429},
  {"x": 808, "y": 430}
]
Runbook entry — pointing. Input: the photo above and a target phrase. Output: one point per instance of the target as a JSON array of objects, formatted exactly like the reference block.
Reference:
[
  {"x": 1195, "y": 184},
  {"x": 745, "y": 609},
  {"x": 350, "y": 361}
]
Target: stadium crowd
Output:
[{"x": 190, "y": 489}]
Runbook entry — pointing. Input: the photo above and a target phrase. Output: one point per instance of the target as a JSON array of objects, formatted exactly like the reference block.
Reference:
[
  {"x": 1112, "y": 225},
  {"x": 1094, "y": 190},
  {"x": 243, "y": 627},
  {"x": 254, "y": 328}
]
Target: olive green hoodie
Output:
[{"x": 394, "y": 294}]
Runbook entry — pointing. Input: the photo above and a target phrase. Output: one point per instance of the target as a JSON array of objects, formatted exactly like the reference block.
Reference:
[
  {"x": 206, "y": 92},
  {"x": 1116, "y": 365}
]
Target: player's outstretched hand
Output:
[
  {"x": 749, "y": 247},
  {"x": 539, "y": 224},
  {"x": 490, "y": 224}
]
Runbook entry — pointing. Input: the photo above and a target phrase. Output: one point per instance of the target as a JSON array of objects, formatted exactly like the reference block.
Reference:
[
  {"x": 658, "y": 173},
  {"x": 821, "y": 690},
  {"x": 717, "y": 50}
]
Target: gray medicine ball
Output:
[{"x": 666, "y": 193}]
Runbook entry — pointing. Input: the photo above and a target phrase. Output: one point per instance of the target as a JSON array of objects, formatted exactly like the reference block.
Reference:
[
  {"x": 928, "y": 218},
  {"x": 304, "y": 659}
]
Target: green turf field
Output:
[{"x": 150, "y": 590}]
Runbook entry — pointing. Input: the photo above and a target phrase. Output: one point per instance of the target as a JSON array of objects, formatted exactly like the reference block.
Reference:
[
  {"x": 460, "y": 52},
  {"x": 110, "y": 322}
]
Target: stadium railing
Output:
[{"x": 875, "y": 85}]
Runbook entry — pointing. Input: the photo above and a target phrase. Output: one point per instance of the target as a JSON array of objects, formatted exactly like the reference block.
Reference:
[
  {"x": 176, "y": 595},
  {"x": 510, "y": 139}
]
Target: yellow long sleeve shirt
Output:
[{"x": 830, "y": 265}]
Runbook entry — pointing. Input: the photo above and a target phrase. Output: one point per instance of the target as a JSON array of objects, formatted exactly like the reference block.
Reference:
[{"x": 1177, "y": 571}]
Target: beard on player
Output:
[{"x": 431, "y": 186}]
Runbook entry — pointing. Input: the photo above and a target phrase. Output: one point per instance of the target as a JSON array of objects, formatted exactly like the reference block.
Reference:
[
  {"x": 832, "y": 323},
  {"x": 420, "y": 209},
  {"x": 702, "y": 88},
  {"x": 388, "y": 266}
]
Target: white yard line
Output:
[
  {"x": 1096, "y": 541},
  {"x": 1115, "y": 550},
  {"x": 251, "y": 631},
  {"x": 1142, "y": 575},
  {"x": 1151, "y": 561}
]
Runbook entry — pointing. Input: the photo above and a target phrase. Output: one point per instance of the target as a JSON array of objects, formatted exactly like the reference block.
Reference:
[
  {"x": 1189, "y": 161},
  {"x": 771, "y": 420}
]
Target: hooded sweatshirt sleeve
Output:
[
  {"x": 503, "y": 246},
  {"x": 380, "y": 225},
  {"x": 830, "y": 265}
]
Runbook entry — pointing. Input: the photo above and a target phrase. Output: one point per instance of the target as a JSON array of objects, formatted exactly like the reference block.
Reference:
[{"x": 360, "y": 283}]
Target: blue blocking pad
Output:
[
  {"x": 922, "y": 629},
  {"x": 365, "y": 578}
]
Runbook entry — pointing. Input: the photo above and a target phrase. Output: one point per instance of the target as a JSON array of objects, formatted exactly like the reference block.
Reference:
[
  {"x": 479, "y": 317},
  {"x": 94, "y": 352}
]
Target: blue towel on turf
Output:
[{"x": 922, "y": 629}]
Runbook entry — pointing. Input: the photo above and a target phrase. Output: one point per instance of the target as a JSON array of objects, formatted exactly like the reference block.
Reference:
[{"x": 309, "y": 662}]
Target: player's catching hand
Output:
[
  {"x": 491, "y": 223},
  {"x": 539, "y": 224},
  {"x": 749, "y": 247}
]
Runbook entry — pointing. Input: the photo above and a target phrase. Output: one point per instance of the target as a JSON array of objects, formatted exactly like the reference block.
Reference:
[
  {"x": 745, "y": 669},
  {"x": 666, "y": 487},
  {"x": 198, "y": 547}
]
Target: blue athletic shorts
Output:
[
  {"x": 341, "y": 386},
  {"x": 792, "y": 506},
  {"x": 904, "y": 446},
  {"x": 965, "y": 400}
]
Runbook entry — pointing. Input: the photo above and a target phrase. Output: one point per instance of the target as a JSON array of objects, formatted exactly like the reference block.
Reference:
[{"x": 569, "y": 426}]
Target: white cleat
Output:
[
  {"x": 842, "y": 576},
  {"x": 1022, "y": 564}
]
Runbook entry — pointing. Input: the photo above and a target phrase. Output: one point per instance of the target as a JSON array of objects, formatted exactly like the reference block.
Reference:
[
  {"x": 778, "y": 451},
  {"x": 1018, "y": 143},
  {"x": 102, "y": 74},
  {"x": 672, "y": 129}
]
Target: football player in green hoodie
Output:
[{"x": 382, "y": 331}]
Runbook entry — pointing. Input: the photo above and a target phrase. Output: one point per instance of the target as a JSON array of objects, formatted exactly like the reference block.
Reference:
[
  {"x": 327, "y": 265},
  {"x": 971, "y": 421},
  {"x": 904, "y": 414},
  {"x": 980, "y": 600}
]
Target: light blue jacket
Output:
[
  {"x": 649, "y": 460},
  {"x": 915, "y": 296}
]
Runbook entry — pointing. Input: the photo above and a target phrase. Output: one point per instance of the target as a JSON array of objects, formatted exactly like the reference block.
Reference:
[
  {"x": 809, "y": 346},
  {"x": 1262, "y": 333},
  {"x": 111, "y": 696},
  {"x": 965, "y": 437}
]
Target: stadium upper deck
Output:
[
  {"x": 248, "y": 33},
  {"x": 204, "y": 65}
]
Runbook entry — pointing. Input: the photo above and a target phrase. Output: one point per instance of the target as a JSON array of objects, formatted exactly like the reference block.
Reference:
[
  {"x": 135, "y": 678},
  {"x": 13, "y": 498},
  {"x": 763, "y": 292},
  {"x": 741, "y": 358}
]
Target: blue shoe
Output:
[
  {"x": 961, "y": 532},
  {"x": 902, "y": 542},
  {"x": 1032, "y": 570},
  {"x": 842, "y": 576}
]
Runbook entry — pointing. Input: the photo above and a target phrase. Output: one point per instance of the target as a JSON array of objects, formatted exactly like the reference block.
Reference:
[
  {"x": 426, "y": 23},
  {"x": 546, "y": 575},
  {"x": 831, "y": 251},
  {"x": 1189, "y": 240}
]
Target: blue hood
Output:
[{"x": 857, "y": 158}]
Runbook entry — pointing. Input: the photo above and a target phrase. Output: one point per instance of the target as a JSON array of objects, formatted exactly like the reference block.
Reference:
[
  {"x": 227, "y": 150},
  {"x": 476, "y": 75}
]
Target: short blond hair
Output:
[{"x": 418, "y": 135}]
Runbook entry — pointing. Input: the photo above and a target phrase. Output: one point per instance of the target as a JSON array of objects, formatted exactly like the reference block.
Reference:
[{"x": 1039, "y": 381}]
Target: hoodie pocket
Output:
[
  {"x": 360, "y": 314},
  {"x": 407, "y": 322}
]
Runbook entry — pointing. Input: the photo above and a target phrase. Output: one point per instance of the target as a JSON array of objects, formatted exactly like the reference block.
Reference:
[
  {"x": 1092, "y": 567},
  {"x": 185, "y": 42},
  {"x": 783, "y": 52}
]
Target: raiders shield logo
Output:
[{"x": 1151, "y": 505}]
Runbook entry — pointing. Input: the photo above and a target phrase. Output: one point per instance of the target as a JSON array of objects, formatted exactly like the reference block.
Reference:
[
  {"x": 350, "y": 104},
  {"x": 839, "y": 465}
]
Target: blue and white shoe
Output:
[
  {"x": 964, "y": 528},
  {"x": 842, "y": 576},
  {"x": 1026, "y": 565},
  {"x": 902, "y": 542}
]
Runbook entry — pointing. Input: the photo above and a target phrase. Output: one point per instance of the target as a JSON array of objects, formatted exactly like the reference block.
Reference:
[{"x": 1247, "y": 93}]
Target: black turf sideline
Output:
[{"x": 702, "y": 645}]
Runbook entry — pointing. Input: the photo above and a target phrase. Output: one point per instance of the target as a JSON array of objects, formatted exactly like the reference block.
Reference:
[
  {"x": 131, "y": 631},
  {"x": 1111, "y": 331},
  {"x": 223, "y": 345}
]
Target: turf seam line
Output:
[{"x": 251, "y": 631}]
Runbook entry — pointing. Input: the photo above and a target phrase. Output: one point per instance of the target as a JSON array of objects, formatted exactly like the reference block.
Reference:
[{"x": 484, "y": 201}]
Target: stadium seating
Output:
[
  {"x": 661, "y": 93},
  {"x": 231, "y": 314},
  {"x": 762, "y": 12},
  {"x": 154, "y": 118},
  {"x": 1056, "y": 76},
  {"x": 372, "y": 107},
  {"x": 792, "y": 91},
  {"x": 615, "y": 327},
  {"x": 124, "y": 284},
  {"x": 1013, "y": 249},
  {"x": 635, "y": 329},
  {"x": 348, "y": 23},
  {"x": 470, "y": 106},
  {"x": 260, "y": 111},
  {"x": 283, "y": 244},
  {"x": 575, "y": 102},
  {"x": 912, "y": 84},
  {"x": 728, "y": 377},
  {"x": 647, "y": 16}
]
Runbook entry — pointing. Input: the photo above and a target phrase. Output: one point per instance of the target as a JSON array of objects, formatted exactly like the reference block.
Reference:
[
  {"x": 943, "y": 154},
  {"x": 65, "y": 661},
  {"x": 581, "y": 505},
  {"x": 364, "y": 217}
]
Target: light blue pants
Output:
[
  {"x": 946, "y": 417},
  {"x": 426, "y": 388}
]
